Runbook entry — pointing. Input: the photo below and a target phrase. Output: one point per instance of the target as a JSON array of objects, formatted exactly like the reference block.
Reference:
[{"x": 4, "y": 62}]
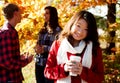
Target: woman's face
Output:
[
  {"x": 79, "y": 30},
  {"x": 47, "y": 15}
]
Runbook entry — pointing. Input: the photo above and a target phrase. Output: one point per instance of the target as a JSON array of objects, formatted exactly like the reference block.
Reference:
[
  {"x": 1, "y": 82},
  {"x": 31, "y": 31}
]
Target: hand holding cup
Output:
[
  {"x": 39, "y": 49},
  {"x": 76, "y": 65},
  {"x": 73, "y": 66}
]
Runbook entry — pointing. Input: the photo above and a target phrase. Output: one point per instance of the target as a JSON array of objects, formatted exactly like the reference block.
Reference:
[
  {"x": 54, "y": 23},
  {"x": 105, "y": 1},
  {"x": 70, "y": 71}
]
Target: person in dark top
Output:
[{"x": 47, "y": 35}]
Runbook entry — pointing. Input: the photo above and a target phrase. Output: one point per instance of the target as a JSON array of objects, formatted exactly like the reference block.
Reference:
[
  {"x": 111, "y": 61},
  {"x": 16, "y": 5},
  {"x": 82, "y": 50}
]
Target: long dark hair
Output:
[
  {"x": 53, "y": 22},
  {"x": 92, "y": 34}
]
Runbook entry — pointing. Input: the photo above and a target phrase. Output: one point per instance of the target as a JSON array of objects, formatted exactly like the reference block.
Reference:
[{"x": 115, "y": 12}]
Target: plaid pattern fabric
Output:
[
  {"x": 10, "y": 63},
  {"x": 47, "y": 38}
]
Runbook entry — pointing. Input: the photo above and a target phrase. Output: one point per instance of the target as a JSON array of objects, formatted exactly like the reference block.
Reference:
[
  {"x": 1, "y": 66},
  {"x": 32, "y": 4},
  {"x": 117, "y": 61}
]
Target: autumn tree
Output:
[
  {"x": 111, "y": 18},
  {"x": 32, "y": 18}
]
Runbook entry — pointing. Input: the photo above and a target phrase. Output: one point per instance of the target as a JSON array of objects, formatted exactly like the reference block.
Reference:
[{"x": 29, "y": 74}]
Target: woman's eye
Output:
[{"x": 78, "y": 25}]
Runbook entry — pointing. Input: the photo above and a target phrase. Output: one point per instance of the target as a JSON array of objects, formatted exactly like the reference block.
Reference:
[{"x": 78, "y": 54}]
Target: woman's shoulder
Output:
[
  {"x": 58, "y": 28},
  {"x": 55, "y": 46},
  {"x": 42, "y": 31},
  {"x": 97, "y": 50},
  {"x": 56, "y": 42}
]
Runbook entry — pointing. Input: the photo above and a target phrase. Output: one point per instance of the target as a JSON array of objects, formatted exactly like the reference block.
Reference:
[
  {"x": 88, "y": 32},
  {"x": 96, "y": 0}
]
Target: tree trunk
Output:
[{"x": 111, "y": 17}]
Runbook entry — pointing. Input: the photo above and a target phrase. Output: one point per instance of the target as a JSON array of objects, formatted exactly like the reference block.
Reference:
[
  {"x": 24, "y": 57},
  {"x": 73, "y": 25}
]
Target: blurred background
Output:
[{"x": 106, "y": 12}]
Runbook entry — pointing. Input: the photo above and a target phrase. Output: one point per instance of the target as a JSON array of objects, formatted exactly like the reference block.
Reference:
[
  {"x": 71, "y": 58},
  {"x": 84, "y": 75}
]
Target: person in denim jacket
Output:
[{"x": 47, "y": 35}]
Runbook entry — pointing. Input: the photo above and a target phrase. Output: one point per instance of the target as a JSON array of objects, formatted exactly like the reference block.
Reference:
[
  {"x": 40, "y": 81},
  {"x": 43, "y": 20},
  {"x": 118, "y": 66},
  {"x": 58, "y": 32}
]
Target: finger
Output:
[{"x": 24, "y": 52}]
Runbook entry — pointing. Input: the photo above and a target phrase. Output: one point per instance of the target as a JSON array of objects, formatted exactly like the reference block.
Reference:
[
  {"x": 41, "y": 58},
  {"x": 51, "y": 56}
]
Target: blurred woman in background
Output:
[{"x": 47, "y": 35}]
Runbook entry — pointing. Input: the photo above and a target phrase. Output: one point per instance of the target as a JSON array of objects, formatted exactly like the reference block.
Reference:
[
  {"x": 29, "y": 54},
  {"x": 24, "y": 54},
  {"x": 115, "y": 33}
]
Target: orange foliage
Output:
[
  {"x": 111, "y": 57},
  {"x": 32, "y": 17}
]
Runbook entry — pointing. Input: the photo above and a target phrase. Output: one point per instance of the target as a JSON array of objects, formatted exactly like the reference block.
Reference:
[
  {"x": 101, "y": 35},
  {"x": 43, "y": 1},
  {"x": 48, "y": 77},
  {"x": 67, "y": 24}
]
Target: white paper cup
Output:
[{"x": 77, "y": 59}]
